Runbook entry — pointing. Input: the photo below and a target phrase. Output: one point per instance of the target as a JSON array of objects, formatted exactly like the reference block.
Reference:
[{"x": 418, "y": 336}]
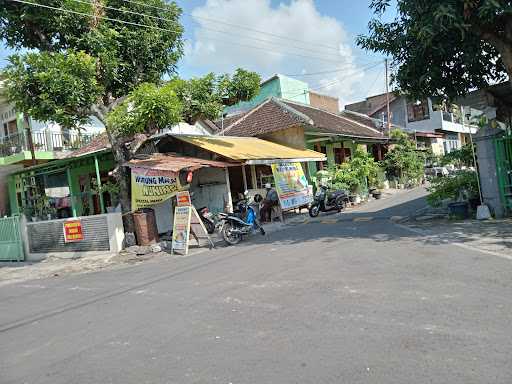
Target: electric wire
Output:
[
  {"x": 207, "y": 28},
  {"x": 173, "y": 31}
]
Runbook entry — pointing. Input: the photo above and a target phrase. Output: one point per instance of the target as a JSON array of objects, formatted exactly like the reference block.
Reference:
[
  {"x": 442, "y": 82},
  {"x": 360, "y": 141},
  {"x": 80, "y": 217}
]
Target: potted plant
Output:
[{"x": 458, "y": 189}]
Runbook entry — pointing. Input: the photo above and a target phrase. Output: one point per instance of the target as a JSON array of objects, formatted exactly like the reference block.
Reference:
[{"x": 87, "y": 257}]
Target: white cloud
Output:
[{"x": 314, "y": 43}]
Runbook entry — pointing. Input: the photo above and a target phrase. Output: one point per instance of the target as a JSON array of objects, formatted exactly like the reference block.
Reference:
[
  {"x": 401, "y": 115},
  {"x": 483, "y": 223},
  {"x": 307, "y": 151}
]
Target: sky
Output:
[{"x": 292, "y": 37}]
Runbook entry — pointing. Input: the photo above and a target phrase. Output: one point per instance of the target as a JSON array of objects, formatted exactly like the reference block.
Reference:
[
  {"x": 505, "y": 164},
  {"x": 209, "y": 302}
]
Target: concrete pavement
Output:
[{"x": 327, "y": 302}]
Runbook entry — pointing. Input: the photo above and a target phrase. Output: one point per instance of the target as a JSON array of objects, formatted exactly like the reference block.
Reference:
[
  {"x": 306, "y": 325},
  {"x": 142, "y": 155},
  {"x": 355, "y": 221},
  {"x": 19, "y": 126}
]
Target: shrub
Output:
[
  {"x": 453, "y": 187},
  {"x": 404, "y": 161},
  {"x": 354, "y": 174},
  {"x": 459, "y": 157}
]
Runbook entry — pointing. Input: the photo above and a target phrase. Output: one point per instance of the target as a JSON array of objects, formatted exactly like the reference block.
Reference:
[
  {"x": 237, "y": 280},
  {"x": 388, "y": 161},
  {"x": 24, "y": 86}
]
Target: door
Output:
[
  {"x": 10, "y": 240},
  {"x": 504, "y": 170}
]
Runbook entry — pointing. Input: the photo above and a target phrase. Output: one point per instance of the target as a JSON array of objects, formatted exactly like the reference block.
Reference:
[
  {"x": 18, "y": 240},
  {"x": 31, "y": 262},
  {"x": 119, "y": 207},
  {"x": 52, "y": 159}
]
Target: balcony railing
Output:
[{"x": 42, "y": 141}]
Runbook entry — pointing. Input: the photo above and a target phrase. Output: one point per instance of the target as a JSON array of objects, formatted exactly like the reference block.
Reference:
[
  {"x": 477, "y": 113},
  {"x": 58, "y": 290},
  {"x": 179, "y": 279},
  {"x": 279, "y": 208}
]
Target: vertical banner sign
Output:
[
  {"x": 151, "y": 187},
  {"x": 73, "y": 231},
  {"x": 291, "y": 185},
  {"x": 183, "y": 199},
  {"x": 181, "y": 229}
]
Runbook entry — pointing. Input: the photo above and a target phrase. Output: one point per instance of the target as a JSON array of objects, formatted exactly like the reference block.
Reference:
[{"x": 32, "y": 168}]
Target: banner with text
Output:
[
  {"x": 151, "y": 187},
  {"x": 291, "y": 185}
]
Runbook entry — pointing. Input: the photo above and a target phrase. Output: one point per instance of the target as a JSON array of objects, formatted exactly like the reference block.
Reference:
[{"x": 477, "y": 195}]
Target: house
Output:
[
  {"x": 280, "y": 86},
  {"x": 433, "y": 125},
  {"x": 303, "y": 126},
  {"x": 494, "y": 101},
  {"x": 69, "y": 184},
  {"x": 19, "y": 134}
]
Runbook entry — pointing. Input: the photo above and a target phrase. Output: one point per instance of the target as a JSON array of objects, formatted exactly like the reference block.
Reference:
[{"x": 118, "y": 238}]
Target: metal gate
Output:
[
  {"x": 504, "y": 170},
  {"x": 11, "y": 246}
]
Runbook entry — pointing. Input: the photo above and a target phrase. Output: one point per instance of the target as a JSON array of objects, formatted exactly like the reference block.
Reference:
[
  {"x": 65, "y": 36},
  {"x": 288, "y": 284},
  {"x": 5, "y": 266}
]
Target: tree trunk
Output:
[{"x": 121, "y": 174}]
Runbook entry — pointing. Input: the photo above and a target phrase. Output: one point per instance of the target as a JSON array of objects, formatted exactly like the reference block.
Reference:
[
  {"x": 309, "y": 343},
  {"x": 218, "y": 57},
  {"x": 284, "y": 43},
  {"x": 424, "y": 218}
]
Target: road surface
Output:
[{"x": 356, "y": 300}]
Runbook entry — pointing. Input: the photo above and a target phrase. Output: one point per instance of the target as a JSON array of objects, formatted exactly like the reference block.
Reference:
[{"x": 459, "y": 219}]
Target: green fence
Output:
[
  {"x": 504, "y": 170},
  {"x": 11, "y": 246}
]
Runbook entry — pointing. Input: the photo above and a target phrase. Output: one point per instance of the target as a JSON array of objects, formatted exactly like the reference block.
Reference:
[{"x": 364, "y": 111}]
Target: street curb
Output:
[{"x": 445, "y": 241}]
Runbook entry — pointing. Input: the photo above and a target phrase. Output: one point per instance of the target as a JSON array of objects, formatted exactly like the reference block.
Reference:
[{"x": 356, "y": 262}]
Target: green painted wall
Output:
[
  {"x": 90, "y": 171},
  {"x": 77, "y": 167},
  {"x": 13, "y": 203},
  {"x": 282, "y": 87},
  {"x": 26, "y": 155},
  {"x": 293, "y": 89}
]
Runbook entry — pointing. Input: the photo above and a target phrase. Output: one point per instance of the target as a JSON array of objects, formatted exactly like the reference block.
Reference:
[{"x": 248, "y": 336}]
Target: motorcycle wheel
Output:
[
  {"x": 229, "y": 237},
  {"x": 210, "y": 227},
  {"x": 340, "y": 204},
  {"x": 314, "y": 210}
]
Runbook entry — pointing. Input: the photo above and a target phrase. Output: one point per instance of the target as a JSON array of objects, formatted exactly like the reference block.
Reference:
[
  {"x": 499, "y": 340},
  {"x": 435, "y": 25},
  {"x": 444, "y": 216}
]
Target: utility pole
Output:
[
  {"x": 473, "y": 153},
  {"x": 387, "y": 97}
]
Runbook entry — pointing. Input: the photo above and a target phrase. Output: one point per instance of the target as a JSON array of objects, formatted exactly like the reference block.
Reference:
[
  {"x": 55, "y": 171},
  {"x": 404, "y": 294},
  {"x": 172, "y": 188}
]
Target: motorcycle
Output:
[
  {"x": 207, "y": 219},
  {"x": 243, "y": 222},
  {"x": 326, "y": 201}
]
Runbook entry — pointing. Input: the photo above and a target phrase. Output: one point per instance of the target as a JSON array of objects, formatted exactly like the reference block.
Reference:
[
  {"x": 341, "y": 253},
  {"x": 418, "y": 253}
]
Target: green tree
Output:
[
  {"x": 404, "y": 161},
  {"x": 88, "y": 57},
  {"x": 459, "y": 157},
  {"x": 107, "y": 58},
  {"x": 444, "y": 48},
  {"x": 354, "y": 174}
]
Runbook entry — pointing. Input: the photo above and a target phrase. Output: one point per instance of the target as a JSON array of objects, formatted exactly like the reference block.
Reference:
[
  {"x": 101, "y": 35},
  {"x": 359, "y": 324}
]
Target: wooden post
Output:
[
  {"x": 71, "y": 196},
  {"x": 244, "y": 176},
  {"x": 254, "y": 178},
  {"x": 228, "y": 187},
  {"x": 98, "y": 182}
]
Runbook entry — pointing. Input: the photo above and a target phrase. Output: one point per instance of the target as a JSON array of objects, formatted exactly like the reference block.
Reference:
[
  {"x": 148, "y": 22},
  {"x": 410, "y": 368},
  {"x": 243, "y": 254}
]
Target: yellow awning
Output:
[{"x": 251, "y": 150}]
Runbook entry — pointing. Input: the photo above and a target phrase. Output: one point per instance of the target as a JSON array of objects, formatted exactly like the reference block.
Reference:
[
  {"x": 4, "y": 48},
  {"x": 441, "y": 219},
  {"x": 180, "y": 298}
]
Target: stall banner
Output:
[
  {"x": 291, "y": 185},
  {"x": 181, "y": 228},
  {"x": 183, "y": 199},
  {"x": 151, "y": 187},
  {"x": 73, "y": 231}
]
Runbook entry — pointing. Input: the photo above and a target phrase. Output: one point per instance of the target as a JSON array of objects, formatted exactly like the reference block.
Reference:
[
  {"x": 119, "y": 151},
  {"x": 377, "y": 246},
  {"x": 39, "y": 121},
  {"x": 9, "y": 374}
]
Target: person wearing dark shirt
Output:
[{"x": 271, "y": 200}]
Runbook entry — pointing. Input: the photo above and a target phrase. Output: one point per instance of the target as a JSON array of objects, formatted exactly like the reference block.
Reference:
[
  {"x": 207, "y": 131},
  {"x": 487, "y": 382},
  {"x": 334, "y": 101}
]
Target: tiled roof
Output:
[
  {"x": 269, "y": 116},
  {"x": 363, "y": 119},
  {"x": 338, "y": 124},
  {"x": 228, "y": 120},
  {"x": 98, "y": 143},
  {"x": 277, "y": 114}
]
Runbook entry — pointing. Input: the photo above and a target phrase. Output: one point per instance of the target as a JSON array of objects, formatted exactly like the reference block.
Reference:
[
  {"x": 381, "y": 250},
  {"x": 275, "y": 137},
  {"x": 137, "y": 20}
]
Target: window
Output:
[
  {"x": 451, "y": 143},
  {"x": 417, "y": 111},
  {"x": 341, "y": 155},
  {"x": 10, "y": 128}
]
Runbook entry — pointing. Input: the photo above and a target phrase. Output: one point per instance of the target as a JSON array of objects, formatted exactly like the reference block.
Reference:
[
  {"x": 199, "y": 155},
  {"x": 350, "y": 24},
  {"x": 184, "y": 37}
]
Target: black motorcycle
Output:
[
  {"x": 241, "y": 223},
  {"x": 326, "y": 201},
  {"x": 208, "y": 219}
]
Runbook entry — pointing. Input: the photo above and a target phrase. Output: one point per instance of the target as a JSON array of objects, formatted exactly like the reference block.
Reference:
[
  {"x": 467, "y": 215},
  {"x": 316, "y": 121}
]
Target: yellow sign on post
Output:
[
  {"x": 152, "y": 187},
  {"x": 291, "y": 185}
]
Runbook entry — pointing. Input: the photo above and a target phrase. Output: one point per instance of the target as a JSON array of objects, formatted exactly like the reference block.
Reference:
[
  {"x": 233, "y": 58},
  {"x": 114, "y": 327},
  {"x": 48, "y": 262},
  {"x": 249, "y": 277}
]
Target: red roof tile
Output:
[
  {"x": 276, "y": 114},
  {"x": 98, "y": 143},
  {"x": 269, "y": 116}
]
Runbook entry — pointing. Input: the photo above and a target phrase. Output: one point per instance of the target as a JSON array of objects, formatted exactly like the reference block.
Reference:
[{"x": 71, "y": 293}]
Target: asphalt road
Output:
[{"x": 330, "y": 302}]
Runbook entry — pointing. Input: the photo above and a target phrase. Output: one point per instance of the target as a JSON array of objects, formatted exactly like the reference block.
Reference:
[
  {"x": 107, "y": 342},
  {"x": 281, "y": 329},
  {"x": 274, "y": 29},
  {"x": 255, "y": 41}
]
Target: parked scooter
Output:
[
  {"x": 207, "y": 219},
  {"x": 325, "y": 201},
  {"x": 243, "y": 222}
]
